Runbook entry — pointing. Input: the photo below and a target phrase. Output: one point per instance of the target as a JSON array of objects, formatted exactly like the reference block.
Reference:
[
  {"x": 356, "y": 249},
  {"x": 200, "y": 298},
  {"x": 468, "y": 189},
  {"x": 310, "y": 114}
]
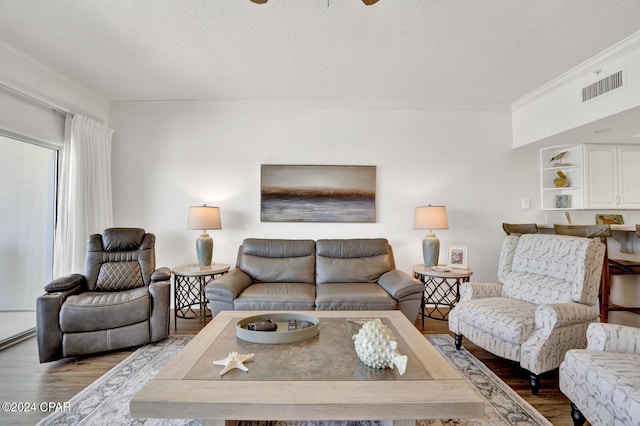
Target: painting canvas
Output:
[{"x": 318, "y": 193}]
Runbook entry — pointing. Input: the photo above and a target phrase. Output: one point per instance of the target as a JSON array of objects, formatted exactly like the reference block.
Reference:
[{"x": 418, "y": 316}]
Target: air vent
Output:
[{"x": 601, "y": 87}]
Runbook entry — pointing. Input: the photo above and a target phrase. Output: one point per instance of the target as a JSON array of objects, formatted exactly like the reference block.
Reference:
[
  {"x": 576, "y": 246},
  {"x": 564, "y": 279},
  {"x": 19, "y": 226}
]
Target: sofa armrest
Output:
[
  {"x": 556, "y": 315},
  {"x": 48, "y": 332},
  {"x": 160, "y": 293},
  {"x": 161, "y": 274},
  {"x": 472, "y": 290},
  {"x": 613, "y": 338},
  {"x": 400, "y": 285},
  {"x": 228, "y": 286},
  {"x": 66, "y": 283}
]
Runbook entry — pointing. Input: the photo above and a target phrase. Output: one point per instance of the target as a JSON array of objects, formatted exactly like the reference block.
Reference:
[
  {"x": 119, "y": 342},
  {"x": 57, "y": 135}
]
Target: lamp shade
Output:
[
  {"x": 204, "y": 217},
  {"x": 430, "y": 217}
]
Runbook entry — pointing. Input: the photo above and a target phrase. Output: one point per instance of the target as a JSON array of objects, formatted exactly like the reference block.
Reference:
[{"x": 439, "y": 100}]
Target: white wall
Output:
[{"x": 168, "y": 156}]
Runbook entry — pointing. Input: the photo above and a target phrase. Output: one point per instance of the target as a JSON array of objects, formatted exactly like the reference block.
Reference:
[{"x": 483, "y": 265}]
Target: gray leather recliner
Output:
[{"x": 120, "y": 301}]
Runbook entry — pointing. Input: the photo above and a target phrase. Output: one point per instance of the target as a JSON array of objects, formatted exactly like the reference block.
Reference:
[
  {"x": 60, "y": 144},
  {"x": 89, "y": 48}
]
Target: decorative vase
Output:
[
  {"x": 376, "y": 347},
  {"x": 561, "y": 180},
  {"x": 430, "y": 249},
  {"x": 204, "y": 249}
]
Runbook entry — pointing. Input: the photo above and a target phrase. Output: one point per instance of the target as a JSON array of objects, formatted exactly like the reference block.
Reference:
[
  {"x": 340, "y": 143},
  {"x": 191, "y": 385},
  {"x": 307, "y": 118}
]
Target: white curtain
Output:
[{"x": 84, "y": 192}]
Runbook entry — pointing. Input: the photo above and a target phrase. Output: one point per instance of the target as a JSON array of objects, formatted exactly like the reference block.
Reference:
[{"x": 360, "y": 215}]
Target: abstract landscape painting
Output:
[{"x": 318, "y": 193}]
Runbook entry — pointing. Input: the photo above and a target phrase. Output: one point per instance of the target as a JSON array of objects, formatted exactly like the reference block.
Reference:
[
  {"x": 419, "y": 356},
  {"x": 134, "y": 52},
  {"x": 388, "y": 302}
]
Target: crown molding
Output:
[
  {"x": 30, "y": 78},
  {"x": 614, "y": 52}
]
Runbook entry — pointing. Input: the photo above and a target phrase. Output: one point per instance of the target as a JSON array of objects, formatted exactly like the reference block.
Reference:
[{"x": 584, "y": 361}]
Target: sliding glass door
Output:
[{"x": 28, "y": 173}]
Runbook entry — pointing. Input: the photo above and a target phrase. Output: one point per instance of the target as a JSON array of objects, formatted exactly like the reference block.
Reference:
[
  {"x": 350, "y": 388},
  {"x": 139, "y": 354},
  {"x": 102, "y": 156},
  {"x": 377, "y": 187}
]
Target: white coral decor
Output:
[{"x": 376, "y": 346}]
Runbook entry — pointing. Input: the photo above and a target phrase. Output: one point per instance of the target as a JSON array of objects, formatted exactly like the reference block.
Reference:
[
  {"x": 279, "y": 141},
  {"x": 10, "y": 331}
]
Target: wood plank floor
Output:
[{"x": 24, "y": 379}]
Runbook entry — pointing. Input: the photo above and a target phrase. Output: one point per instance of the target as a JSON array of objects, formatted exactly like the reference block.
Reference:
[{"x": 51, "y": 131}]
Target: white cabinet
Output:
[
  {"x": 598, "y": 176},
  {"x": 558, "y": 195},
  {"x": 612, "y": 176}
]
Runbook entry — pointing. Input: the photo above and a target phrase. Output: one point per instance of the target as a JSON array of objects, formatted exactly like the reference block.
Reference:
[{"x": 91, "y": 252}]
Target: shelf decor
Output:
[
  {"x": 609, "y": 219},
  {"x": 457, "y": 257},
  {"x": 563, "y": 201},
  {"x": 561, "y": 180}
]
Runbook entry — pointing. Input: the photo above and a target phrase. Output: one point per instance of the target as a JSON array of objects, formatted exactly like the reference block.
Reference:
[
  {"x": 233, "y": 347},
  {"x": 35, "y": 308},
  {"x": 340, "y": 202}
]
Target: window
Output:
[{"x": 28, "y": 173}]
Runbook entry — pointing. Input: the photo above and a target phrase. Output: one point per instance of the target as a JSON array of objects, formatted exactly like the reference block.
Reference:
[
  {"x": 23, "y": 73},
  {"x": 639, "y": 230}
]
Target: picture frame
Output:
[
  {"x": 563, "y": 201},
  {"x": 609, "y": 219},
  {"x": 317, "y": 193},
  {"x": 457, "y": 257}
]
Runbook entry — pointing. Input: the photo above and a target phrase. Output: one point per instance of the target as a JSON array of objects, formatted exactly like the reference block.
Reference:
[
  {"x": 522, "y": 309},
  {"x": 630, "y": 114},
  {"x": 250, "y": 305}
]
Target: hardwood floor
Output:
[{"x": 24, "y": 379}]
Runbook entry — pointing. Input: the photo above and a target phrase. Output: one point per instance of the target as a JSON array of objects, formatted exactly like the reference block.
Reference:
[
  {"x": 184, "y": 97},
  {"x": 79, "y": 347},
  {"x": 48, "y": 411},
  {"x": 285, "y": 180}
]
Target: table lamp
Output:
[
  {"x": 204, "y": 217},
  {"x": 430, "y": 217}
]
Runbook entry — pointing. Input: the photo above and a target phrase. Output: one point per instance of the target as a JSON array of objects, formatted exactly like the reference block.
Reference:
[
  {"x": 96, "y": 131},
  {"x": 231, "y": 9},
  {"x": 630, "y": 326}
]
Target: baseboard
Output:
[{"x": 4, "y": 344}]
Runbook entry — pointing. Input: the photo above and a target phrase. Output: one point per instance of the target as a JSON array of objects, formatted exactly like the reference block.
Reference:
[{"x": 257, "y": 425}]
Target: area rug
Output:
[{"x": 106, "y": 401}]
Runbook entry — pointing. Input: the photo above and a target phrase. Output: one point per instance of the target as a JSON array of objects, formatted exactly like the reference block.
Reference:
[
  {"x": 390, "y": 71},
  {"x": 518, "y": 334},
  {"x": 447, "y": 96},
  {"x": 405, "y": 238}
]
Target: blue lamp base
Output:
[{"x": 430, "y": 249}]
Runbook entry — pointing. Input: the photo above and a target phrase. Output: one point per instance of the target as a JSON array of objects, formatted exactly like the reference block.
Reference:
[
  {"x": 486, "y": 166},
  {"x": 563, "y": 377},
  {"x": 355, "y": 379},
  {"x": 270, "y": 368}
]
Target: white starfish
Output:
[{"x": 233, "y": 360}]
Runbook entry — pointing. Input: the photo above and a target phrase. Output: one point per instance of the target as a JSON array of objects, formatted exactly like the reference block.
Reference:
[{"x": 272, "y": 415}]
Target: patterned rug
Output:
[{"x": 106, "y": 401}]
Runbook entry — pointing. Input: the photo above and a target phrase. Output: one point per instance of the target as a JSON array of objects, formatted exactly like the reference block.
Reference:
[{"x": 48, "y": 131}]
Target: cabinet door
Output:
[
  {"x": 601, "y": 176},
  {"x": 629, "y": 176}
]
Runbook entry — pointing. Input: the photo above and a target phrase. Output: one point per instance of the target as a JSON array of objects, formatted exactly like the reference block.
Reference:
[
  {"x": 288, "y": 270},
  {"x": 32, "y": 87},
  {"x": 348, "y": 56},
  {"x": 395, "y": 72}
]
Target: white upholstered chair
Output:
[
  {"x": 546, "y": 297},
  {"x": 603, "y": 381}
]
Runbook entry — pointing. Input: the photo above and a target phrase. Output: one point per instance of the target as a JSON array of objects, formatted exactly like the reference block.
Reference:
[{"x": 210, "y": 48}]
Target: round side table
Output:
[
  {"x": 441, "y": 290},
  {"x": 188, "y": 292}
]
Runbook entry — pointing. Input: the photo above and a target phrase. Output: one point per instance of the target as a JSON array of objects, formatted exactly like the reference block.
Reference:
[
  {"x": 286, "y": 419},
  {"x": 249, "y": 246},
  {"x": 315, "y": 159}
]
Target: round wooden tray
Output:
[{"x": 282, "y": 334}]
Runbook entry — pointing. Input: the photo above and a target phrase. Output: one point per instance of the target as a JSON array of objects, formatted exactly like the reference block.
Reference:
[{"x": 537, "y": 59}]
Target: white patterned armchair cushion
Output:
[
  {"x": 542, "y": 305},
  {"x": 603, "y": 381},
  {"x": 553, "y": 268}
]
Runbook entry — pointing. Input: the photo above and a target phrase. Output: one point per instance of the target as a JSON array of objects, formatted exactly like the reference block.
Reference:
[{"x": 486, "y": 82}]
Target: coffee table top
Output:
[{"x": 321, "y": 378}]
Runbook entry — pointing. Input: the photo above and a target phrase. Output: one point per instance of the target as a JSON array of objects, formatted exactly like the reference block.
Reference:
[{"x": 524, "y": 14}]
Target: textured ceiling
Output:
[{"x": 396, "y": 52}]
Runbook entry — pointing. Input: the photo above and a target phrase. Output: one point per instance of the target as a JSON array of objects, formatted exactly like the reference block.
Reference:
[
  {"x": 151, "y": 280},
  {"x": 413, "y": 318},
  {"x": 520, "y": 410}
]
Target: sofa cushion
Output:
[
  {"x": 538, "y": 289},
  {"x": 276, "y": 296},
  {"x": 279, "y": 270},
  {"x": 283, "y": 261},
  {"x": 278, "y": 248},
  {"x": 353, "y": 248},
  {"x": 572, "y": 264},
  {"x": 352, "y": 261},
  {"x": 122, "y": 239},
  {"x": 509, "y": 320},
  {"x": 91, "y": 311},
  {"x": 353, "y": 297},
  {"x": 117, "y": 276}
]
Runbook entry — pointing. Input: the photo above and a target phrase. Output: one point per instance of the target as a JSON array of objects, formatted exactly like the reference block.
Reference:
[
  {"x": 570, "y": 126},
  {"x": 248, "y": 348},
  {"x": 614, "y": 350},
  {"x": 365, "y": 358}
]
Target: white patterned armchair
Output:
[
  {"x": 603, "y": 381},
  {"x": 542, "y": 306}
]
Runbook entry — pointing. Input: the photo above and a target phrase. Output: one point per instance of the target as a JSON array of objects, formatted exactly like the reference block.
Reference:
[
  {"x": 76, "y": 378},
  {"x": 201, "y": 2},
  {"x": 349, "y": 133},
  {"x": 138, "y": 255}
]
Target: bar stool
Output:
[
  {"x": 624, "y": 267},
  {"x": 520, "y": 228}
]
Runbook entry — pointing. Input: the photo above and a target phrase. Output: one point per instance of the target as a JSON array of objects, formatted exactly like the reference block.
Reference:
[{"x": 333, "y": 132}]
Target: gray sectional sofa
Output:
[{"x": 307, "y": 275}]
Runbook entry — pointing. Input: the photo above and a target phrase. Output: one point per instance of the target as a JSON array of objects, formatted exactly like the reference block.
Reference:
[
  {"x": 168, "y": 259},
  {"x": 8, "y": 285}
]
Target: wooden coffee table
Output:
[{"x": 317, "y": 379}]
